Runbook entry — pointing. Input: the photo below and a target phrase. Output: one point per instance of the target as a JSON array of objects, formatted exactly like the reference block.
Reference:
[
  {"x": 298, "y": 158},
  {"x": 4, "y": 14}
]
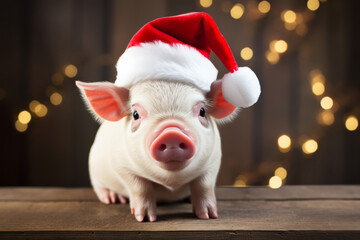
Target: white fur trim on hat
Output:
[
  {"x": 159, "y": 60},
  {"x": 241, "y": 88}
]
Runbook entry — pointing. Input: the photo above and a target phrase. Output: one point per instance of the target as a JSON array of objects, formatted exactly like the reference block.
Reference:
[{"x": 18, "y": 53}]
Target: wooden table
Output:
[{"x": 296, "y": 212}]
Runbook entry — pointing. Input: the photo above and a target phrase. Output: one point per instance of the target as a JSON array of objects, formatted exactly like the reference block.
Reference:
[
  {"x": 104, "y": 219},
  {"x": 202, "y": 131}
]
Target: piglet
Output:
[{"x": 158, "y": 139}]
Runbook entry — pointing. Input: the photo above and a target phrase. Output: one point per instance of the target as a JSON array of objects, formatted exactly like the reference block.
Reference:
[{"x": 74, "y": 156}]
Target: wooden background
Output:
[{"x": 40, "y": 37}]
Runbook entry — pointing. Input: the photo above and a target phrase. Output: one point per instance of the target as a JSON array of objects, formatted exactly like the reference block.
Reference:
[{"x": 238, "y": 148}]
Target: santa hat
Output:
[{"x": 177, "y": 49}]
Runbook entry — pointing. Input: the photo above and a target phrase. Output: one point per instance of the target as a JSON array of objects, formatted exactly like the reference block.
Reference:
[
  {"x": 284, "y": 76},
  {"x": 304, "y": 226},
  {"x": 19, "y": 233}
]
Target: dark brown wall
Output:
[{"x": 41, "y": 37}]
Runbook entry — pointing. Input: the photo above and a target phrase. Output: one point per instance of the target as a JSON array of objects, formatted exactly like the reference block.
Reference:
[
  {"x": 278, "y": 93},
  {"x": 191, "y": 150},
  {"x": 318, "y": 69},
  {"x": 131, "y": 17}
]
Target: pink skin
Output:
[{"x": 172, "y": 146}]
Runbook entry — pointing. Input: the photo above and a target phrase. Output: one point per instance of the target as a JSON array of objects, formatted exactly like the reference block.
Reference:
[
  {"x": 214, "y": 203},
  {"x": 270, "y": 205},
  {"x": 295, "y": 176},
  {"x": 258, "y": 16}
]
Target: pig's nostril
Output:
[
  {"x": 162, "y": 147},
  {"x": 182, "y": 145}
]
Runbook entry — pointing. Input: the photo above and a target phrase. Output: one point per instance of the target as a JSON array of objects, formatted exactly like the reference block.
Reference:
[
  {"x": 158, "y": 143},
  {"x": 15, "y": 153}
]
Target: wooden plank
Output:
[
  {"x": 223, "y": 193},
  {"x": 295, "y": 212}
]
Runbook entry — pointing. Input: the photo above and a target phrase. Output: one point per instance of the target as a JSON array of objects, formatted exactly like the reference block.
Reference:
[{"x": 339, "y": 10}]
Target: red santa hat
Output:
[{"x": 177, "y": 49}]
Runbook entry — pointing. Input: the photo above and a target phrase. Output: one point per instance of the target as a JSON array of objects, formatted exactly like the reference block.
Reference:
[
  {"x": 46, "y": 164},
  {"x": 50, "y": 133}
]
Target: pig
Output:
[
  {"x": 164, "y": 147},
  {"x": 158, "y": 139}
]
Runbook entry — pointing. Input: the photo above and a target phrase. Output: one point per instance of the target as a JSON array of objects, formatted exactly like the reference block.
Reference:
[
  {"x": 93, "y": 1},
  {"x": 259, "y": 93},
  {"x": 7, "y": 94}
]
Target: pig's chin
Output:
[{"x": 173, "y": 165}]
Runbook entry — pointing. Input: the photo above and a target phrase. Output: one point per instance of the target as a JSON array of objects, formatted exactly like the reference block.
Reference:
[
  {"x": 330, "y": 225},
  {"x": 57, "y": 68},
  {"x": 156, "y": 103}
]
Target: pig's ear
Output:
[
  {"x": 105, "y": 99},
  {"x": 220, "y": 108}
]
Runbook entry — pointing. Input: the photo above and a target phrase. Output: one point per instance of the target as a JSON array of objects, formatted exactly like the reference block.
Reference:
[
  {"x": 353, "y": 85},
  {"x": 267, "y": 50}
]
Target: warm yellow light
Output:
[
  {"x": 264, "y": 6},
  {"x": 70, "y": 71},
  {"x": 55, "y": 98},
  {"x": 313, "y": 5},
  {"x": 326, "y": 118},
  {"x": 20, "y": 127},
  {"x": 281, "y": 173},
  {"x": 246, "y": 53},
  {"x": 326, "y": 103},
  {"x": 290, "y": 26},
  {"x": 32, "y": 105},
  {"x": 57, "y": 79},
  {"x": 240, "y": 183},
  {"x": 272, "y": 57},
  {"x": 205, "y": 3},
  {"x": 275, "y": 182},
  {"x": 284, "y": 142},
  {"x": 310, "y": 146},
  {"x": 351, "y": 123},
  {"x": 289, "y": 16},
  {"x": 24, "y": 117},
  {"x": 280, "y": 46},
  {"x": 237, "y": 11},
  {"x": 41, "y": 110},
  {"x": 318, "y": 88}
]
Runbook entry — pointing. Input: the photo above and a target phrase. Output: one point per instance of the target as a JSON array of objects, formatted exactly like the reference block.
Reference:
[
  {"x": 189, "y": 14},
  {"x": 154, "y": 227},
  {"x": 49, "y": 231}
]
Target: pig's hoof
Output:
[
  {"x": 107, "y": 196},
  {"x": 205, "y": 211},
  {"x": 141, "y": 209}
]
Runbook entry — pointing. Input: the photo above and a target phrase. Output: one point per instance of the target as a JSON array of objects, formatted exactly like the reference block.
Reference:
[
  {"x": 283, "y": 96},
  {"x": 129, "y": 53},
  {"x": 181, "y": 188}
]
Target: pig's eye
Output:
[
  {"x": 202, "y": 112},
  {"x": 136, "y": 115}
]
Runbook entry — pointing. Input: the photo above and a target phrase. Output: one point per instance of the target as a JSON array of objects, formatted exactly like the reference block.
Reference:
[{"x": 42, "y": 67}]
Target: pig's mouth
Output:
[{"x": 172, "y": 146}]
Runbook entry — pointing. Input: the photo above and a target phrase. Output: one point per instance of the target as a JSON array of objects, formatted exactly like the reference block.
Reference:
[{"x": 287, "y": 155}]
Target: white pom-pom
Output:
[{"x": 241, "y": 88}]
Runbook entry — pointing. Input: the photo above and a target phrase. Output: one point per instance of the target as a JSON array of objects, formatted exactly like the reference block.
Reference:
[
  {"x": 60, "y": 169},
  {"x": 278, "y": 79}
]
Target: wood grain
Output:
[{"x": 324, "y": 212}]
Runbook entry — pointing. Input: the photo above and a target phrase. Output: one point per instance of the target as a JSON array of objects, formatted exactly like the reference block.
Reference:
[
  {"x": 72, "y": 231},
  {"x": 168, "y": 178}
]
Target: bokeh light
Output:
[
  {"x": 275, "y": 182},
  {"x": 318, "y": 88},
  {"x": 264, "y": 7},
  {"x": 246, "y": 53},
  {"x": 237, "y": 11},
  {"x": 70, "y": 71},
  {"x": 289, "y": 16},
  {"x": 326, "y": 118},
  {"x": 205, "y": 3},
  {"x": 280, "y": 46},
  {"x": 284, "y": 143},
  {"x": 313, "y": 5},
  {"x": 272, "y": 57},
  {"x": 24, "y": 117},
  {"x": 20, "y": 127},
  {"x": 240, "y": 182},
  {"x": 281, "y": 173},
  {"x": 33, "y": 104},
  {"x": 310, "y": 146},
  {"x": 57, "y": 79},
  {"x": 41, "y": 110},
  {"x": 326, "y": 103},
  {"x": 55, "y": 98},
  {"x": 351, "y": 123}
]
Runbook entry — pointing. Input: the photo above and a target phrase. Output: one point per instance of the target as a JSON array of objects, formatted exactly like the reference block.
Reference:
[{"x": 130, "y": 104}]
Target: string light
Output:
[
  {"x": 284, "y": 143},
  {"x": 281, "y": 173},
  {"x": 275, "y": 182},
  {"x": 24, "y": 117},
  {"x": 272, "y": 57},
  {"x": 237, "y": 11},
  {"x": 310, "y": 146},
  {"x": 240, "y": 182},
  {"x": 41, "y": 110},
  {"x": 20, "y": 127},
  {"x": 246, "y": 53},
  {"x": 70, "y": 71},
  {"x": 55, "y": 98},
  {"x": 313, "y": 5},
  {"x": 290, "y": 26},
  {"x": 264, "y": 7},
  {"x": 280, "y": 46},
  {"x": 301, "y": 29},
  {"x": 326, "y": 103},
  {"x": 318, "y": 88},
  {"x": 32, "y": 105},
  {"x": 351, "y": 123},
  {"x": 288, "y": 16},
  {"x": 205, "y": 3},
  {"x": 326, "y": 118}
]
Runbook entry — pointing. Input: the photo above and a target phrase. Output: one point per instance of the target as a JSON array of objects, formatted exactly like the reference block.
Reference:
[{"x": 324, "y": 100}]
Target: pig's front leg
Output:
[
  {"x": 203, "y": 197},
  {"x": 142, "y": 199}
]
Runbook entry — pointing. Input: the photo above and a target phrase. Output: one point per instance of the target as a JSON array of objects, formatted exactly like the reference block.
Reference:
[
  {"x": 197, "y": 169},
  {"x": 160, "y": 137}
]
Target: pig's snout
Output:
[{"x": 172, "y": 147}]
